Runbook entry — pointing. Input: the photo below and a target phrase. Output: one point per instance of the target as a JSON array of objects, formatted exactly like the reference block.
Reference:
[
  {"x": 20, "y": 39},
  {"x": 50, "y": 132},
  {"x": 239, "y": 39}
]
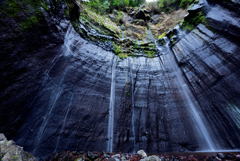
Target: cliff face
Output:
[{"x": 61, "y": 92}]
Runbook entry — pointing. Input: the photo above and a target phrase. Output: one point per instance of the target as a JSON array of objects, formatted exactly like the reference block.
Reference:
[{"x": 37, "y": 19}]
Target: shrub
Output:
[
  {"x": 154, "y": 7},
  {"x": 116, "y": 49},
  {"x": 170, "y": 5},
  {"x": 193, "y": 22},
  {"x": 185, "y": 3}
]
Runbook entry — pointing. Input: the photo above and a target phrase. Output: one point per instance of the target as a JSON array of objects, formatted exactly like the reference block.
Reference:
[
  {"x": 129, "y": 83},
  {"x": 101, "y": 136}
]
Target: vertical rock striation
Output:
[{"x": 56, "y": 88}]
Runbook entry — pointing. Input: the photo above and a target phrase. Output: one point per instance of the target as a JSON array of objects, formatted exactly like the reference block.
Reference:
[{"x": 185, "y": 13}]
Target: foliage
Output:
[
  {"x": 154, "y": 7},
  {"x": 169, "y": 5},
  {"x": 31, "y": 9},
  {"x": 116, "y": 49},
  {"x": 121, "y": 55},
  {"x": 119, "y": 15},
  {"x": 193, "y": 22},
  {"x": 185, "y": 3},
  {"x": 106, "y": 6},
  {"x": 162, "y": 36},
  {"x": 101, "y": 21},
  {"x": 149, "y": 53},
  {"x": 135, "y": 3},
  {"x": 15, "y": 157}
]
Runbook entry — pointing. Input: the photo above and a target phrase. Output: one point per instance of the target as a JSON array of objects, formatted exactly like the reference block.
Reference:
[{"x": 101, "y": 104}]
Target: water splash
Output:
[{"x": 111, "y": 106}]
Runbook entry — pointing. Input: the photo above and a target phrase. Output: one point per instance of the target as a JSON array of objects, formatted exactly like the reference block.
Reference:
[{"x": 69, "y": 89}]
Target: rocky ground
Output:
[
  {"x": 142, "y": 156},
  {"x": 9, "y": 151}
]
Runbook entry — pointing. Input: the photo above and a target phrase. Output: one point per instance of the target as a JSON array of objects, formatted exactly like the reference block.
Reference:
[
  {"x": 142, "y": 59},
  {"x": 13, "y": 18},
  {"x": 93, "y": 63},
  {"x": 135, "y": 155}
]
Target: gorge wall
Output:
[{"x": 62, "y": 92}]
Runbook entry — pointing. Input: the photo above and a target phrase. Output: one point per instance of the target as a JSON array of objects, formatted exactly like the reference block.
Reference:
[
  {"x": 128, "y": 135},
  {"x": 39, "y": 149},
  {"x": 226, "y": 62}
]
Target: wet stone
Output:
[
  {"x": 229, "y": 156},
  {"x": 220, "y": 155}
]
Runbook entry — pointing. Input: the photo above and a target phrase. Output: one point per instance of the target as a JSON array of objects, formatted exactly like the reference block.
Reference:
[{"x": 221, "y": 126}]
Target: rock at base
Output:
[
  {"x": 142, "y": 153},
  {"x": 9, "y": 151}
]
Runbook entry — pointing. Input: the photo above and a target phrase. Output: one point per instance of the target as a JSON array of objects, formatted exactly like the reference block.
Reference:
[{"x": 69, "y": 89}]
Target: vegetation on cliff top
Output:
[
  {"x": 108, "y": 6},
  {"x": 102, "y": 16}
]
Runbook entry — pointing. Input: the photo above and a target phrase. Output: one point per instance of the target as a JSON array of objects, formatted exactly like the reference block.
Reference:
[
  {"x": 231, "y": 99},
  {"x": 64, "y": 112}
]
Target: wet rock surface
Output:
[{"x": 58, "y": 91}]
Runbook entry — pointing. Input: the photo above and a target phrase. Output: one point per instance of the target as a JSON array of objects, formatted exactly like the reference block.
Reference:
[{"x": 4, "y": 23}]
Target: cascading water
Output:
[
  {"x": 66, "y": 51},
  {"x": 150, "y": 35},
  {"x": 111, "y": 106},
  {"x": 63, "y": 125},
  {"x": 187, "y": 95},
  {"x": 46, "y": 119},
  {"x": 133, "y": 113}
]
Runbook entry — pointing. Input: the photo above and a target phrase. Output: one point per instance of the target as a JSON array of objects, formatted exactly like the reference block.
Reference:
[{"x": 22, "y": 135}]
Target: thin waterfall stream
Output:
[
  {"x": 63, "y": 123},
  {"x": 150, "y": 35},
  {"x": 133, "y": 104},
  {"x": 111, "y": 106},
  {"x": 46, "y": 119}
]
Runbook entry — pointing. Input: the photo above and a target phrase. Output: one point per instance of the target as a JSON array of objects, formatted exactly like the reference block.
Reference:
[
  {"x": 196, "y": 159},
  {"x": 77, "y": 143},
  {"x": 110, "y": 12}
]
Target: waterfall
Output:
[
  {"x": 150, "y": 35},
  {"x": 187, "y": 95},
  {"x": 133, "y": 114},
  {"x": 63, "y": 124},
  {"x": 66, "y": 51},
  {"x": 111, "y": 106},
  {"x": 46, "y": 119}
]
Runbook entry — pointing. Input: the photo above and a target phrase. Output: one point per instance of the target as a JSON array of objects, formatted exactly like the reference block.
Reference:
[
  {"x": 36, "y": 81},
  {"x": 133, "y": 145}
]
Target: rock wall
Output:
[{"x": 58, "y": 90}]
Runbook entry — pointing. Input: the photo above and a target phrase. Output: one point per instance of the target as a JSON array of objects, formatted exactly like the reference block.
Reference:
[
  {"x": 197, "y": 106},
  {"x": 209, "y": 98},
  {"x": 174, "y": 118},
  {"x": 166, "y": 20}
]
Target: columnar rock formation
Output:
[{"x": 57, "y": 90}]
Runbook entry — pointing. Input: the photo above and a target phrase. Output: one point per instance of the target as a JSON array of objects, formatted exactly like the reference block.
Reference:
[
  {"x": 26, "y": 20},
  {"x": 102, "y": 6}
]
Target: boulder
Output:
[
  {"x": 112, "y": 17},
  {"x": 142, "y": 153},
  {"x": 237, "y": 157},
  {"x": 229, "y": 156},
  {"x": 151, "y": 158},
  {"x": 10, "y": 151},
  {"x": 221, "y": 156},
  {"x": 140, "y": 14},
  {"x": 129, "y": 10},
  {"x": 139, "y": 22},
  {"x": 146, "y": 9}
]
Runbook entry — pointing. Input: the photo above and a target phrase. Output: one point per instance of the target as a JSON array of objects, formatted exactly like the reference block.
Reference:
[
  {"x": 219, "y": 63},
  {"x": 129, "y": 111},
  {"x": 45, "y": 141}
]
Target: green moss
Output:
[
  {"x": 66, "y": 12},
  {"x": 162, "y": 36},
  {"x": 170, "y": 35},
  {"x": 116, "y": 49},
  {"x": 119, "y": 15},
  {"x": 149, "y": 53},
  {"x": 193, "y": 22},
  {"x": 102, "y": 22},
  {"x": 138, "y": 35},
  {"x": 45, "y": 6},
  {"x": 147, "y": 32},
  {"x": 122, "y": 55},
  {"x": 29, "y": 22},
  {"x": 31, "y": 9}
]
